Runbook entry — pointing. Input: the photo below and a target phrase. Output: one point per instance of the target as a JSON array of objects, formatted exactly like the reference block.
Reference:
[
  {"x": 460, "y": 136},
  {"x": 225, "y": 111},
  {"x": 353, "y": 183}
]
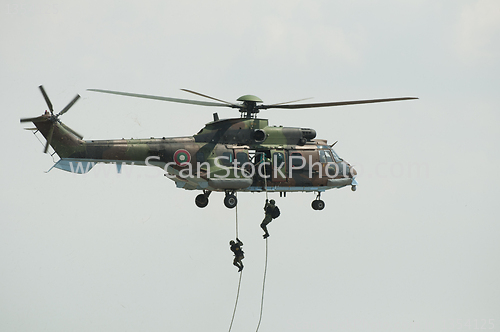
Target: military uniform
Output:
[
  {"x": 268, "y": 208},
  {"x": 238, "y": 253}
]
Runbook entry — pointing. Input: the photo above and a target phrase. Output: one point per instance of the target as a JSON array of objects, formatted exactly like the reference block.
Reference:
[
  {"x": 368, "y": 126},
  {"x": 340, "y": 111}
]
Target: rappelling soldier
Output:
[
  {"x": 238, "y": 253},
  {"x": 272, "y": 212}
]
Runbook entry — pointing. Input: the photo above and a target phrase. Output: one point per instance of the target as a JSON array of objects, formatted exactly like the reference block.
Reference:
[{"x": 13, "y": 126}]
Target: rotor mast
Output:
[{"x": 249, "y": 105}]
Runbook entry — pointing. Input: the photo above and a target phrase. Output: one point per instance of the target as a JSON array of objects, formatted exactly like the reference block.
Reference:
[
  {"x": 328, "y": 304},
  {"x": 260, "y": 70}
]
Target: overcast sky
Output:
[{"x": 414, "y": 248}]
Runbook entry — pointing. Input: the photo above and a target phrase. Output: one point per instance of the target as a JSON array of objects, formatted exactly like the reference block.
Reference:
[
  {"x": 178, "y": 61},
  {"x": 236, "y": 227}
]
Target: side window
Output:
[
  {"x": 278, "y": 159},
  {"x": 228, "y": 158},
  {"x": 242, "y": 158},
  {"x": 297, "y": 159},
  {"x": 322, "y": 156}
]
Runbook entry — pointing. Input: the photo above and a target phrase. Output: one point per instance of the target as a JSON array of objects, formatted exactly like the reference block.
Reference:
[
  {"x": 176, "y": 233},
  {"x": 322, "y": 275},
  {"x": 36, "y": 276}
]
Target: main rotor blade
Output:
[
  {"x": 175, "y": 100},
  {"x": 69, "y": 105},
  {"x": 286, "y": 102},
  {"x": 49, "y": 139},
  {"x": 71, "y": 130},
  {"x": 200, "y": 94},
  {"x": 47, "y": 100},
  {"x": 336, "y": 103}
]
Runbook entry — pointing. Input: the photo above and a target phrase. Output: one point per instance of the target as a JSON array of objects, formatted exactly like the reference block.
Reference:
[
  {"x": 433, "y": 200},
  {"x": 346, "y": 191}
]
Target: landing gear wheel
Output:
[
  {"x": 230, "y": 201},
  {"x": 201, "y": 200},
  {"x": 318, "y": 204}
]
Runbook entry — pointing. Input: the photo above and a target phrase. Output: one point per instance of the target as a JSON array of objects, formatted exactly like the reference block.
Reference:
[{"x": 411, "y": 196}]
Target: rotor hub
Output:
[
  {"x": 250, "y": 98},
  {"x": 249, "y": 105}
]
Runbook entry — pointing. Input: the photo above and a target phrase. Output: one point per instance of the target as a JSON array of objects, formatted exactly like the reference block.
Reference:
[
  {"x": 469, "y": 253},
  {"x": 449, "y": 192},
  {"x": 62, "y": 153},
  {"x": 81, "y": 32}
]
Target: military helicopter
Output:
[{"x": 242, "y": 154}]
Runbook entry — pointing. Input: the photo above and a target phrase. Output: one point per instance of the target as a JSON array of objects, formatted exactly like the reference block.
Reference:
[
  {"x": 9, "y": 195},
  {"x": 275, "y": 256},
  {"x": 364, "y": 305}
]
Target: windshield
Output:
[
  {"x": 325, "y": 155},
  {"x": 336, "y": 156}
]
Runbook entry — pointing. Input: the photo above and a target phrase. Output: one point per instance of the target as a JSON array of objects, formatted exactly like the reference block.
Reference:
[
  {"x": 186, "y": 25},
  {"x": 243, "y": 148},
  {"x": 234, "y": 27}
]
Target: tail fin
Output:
[{"x": 64, "y": 140}]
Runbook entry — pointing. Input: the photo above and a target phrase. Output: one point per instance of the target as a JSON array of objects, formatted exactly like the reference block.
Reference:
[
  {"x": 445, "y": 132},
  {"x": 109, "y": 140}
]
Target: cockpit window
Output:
[
  {"x": 322, "y": 157},
  {"x": 336, "y": 156},
  {"x": 325, "y": 156},
  {"x": 327, "y": 153}
]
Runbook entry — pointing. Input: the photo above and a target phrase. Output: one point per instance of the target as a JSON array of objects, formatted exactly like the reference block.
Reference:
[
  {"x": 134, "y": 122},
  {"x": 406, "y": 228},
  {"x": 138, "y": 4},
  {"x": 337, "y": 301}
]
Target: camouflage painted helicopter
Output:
[{"x": 242, "y": 154}]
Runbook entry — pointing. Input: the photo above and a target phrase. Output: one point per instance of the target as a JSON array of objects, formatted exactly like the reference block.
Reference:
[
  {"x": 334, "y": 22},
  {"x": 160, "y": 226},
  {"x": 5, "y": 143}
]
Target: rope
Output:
[
  {"x": 265, "y": 266},
  {"x": 263, "y": 288},
  {"x": 236, "y": 194},
  {"x": 236, "y": 303},
  {"x": 241, "y": 273},
  {"x": 265, "y": 178}
]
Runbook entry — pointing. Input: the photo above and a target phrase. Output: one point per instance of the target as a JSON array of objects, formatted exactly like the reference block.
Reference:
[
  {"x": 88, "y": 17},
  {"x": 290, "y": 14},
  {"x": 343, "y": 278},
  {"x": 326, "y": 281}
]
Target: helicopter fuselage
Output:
[{"x": 241, "y": 154}]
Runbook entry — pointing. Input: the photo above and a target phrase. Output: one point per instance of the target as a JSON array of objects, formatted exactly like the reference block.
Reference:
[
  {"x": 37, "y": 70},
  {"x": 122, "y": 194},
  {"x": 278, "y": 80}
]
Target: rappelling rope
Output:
[
  {"x": 236, "y": 195},
  {"x": 265, "y": 177},
  {"x": 265, "y": 266},
  {"x": 236, "y": 303},
  {"x": 241, "y": 273},
  {"x": 263, "y": 288}
]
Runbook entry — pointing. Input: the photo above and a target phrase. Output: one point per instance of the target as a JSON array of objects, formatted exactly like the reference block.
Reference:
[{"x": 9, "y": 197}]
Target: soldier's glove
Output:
[{"x": 267, "y": 200}]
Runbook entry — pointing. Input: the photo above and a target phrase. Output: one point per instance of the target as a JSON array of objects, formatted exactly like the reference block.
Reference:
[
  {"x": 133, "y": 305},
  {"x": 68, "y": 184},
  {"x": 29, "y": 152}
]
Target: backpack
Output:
[{"x": 275, "y": 213}]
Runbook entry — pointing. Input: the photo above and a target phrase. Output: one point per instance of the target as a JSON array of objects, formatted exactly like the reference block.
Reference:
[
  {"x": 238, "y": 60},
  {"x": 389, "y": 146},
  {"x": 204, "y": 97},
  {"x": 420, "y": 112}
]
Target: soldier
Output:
[
  {"x": 272, "y": 212},
  {"x": 238, "y": 253}
]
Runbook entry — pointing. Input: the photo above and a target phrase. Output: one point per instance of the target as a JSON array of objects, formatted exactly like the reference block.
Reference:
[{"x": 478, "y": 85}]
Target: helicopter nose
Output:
[
  {"x": 353, "y": 174},
  {"x": 352, "y": 171},
  {"x": 347, "y": 170}
]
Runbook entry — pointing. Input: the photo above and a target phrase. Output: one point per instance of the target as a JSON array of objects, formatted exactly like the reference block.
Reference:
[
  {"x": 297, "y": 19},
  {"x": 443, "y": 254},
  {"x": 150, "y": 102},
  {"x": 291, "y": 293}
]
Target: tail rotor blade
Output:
[
  {"x": 32, "y": 119},
  {"x": 49, "y": 139},
  {"x": 69, "y": 105},
  {"x": 47, "y": 100}
]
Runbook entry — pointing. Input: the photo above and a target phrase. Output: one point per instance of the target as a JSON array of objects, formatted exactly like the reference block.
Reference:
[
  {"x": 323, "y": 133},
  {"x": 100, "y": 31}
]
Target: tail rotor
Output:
[{"x": 53, "y": 118}]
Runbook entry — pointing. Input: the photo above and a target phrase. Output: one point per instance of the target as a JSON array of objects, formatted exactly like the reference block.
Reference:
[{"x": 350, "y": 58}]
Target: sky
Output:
[{"x": 415, "y": 248}]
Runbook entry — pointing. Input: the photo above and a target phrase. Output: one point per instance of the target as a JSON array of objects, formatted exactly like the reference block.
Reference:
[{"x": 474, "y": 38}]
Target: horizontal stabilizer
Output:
[{"x": 77, "y": 166}]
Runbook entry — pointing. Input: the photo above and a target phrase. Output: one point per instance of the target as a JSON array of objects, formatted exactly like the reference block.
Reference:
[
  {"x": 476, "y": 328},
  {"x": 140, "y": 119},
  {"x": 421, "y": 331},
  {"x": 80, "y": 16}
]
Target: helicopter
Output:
[{"x": 232, "y": 155}]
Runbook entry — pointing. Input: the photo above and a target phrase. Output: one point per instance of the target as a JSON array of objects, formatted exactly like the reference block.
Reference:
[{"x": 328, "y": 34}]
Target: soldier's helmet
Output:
[
  {"x": 231, "y": 242},
  {"x": 272, "y": 201}
]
